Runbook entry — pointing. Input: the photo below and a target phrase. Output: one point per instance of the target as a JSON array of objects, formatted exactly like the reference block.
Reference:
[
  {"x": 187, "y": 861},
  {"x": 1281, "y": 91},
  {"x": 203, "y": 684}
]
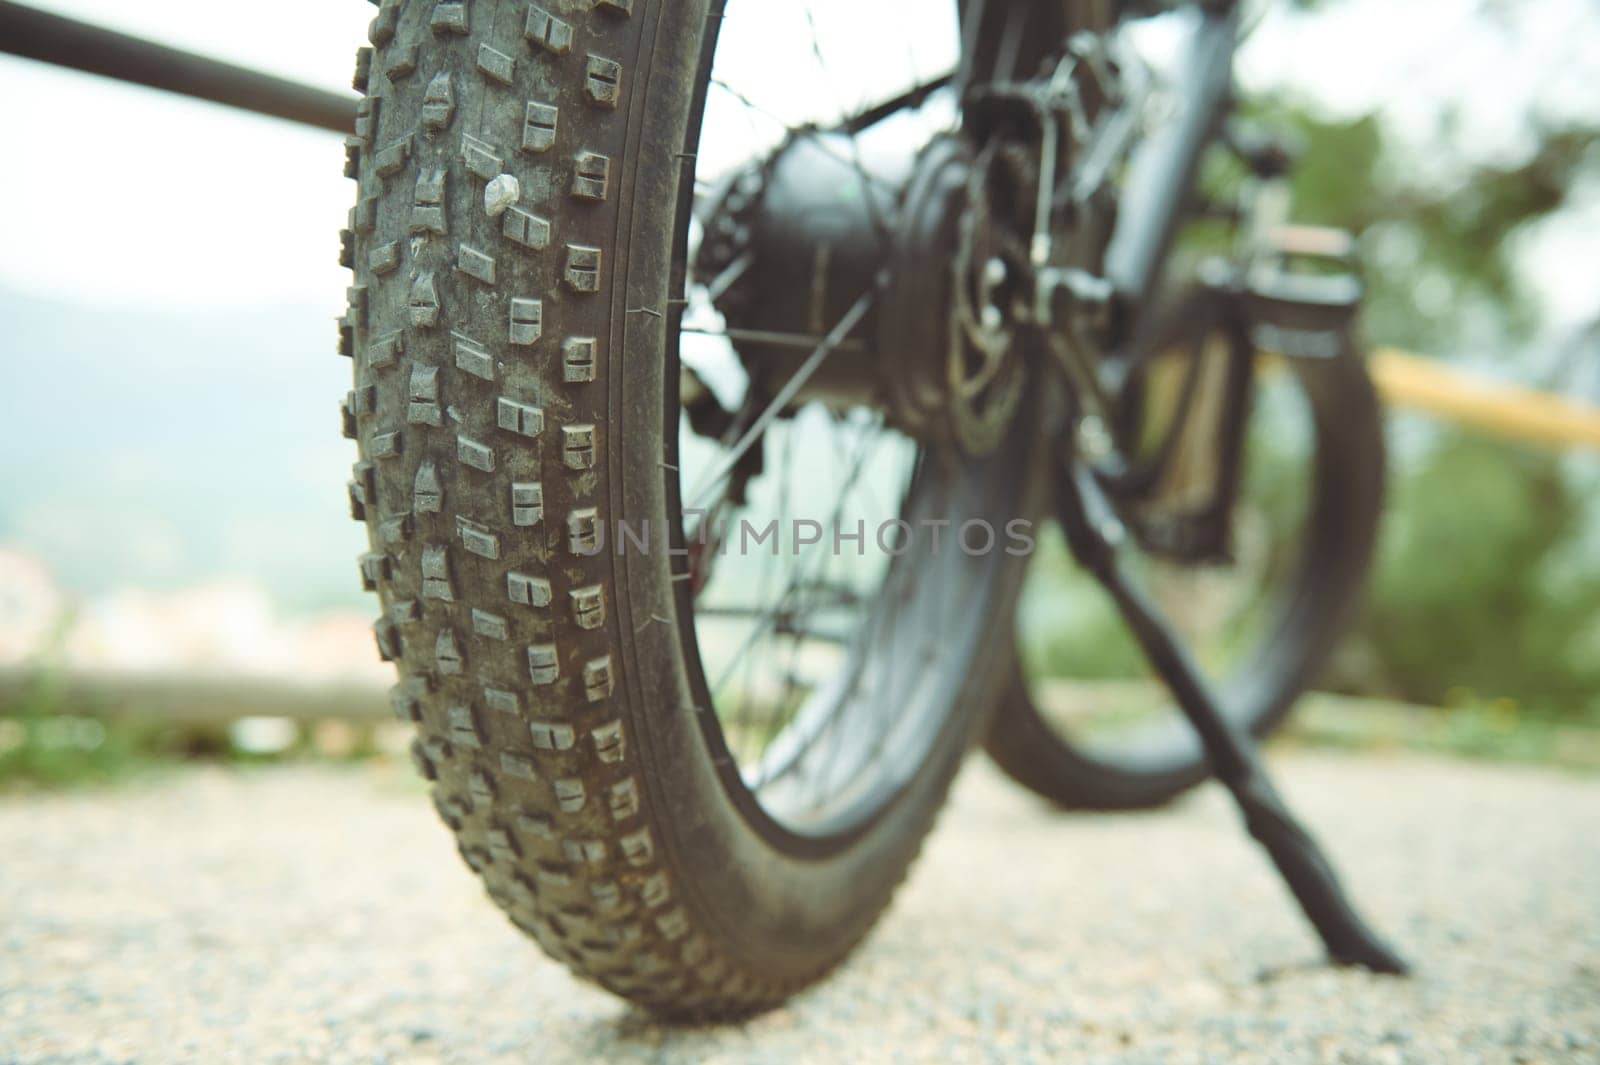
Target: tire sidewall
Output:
[{"x": 789, "y": 916}]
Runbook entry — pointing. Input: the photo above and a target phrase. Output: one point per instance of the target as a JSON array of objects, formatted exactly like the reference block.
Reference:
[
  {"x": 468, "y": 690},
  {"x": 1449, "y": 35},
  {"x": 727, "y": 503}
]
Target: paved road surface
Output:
[{"x": 290, "y": 915}]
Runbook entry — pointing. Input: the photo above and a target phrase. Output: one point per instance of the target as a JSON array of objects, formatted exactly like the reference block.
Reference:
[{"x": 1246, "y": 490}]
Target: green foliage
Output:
[
  {"x": 1471, "y": 599},
  {"x": 1439, "y": 238},
  {"x": 1484, "y": 590},
  {"x": 1067, "y": 626},
  {"x": 55, "y": 735},
  {"x": 43, "y": 742},
  {"x": 1494, "y": 729}
]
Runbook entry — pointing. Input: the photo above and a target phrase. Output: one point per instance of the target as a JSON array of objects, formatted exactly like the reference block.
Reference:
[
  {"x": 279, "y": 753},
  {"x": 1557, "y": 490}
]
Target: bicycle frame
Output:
[
  {"x": 1310, "y": 320},
  {"x": 1160, "y": 183}
]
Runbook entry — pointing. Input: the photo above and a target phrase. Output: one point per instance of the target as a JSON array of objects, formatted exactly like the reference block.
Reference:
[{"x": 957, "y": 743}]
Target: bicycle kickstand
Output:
[{"x": 1095, "y": 535}]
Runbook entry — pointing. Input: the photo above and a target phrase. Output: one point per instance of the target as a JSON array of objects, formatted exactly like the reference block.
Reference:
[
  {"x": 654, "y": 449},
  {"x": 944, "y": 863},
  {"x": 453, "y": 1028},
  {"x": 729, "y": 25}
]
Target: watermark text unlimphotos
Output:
[{"x": 973, "y": 537}]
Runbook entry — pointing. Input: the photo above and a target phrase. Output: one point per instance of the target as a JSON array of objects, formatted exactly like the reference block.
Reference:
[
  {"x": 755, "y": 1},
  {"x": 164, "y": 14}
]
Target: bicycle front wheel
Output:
[{"x": 691, "y": 777}]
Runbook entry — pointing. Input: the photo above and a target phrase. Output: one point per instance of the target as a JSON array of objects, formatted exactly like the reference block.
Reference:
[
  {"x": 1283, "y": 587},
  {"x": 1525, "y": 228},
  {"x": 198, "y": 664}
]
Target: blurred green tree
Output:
[
  {"x": 1486, "y": 587},
  {"x": 1475, "y": 595}
]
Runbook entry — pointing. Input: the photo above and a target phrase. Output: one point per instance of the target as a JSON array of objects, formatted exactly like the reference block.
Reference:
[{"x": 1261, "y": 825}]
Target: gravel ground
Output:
[{"x": 292, "y": 915}]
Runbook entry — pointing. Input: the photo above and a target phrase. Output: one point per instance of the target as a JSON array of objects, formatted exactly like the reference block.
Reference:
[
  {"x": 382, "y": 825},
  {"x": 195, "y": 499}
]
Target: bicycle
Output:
[{"x": 584, "y": 311}]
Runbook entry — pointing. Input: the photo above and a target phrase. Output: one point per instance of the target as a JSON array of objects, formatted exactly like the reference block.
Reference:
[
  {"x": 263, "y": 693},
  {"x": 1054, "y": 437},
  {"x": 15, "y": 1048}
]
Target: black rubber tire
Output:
[
  {"x": 510, "y": 393},
  {"x": 1346, "y": 503}
]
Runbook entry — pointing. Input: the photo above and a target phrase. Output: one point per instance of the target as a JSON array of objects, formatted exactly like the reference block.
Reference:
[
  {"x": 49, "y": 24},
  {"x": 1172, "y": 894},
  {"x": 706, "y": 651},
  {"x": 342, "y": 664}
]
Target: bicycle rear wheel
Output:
[{"x": 1084, "y": 723}]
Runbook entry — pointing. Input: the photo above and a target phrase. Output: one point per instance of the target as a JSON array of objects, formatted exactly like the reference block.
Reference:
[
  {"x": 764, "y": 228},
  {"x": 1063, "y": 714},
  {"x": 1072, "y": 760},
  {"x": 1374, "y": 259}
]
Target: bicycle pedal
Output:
[
  {"x": 1328, "y": 243},
  {"x": 1303, "y": 293}
]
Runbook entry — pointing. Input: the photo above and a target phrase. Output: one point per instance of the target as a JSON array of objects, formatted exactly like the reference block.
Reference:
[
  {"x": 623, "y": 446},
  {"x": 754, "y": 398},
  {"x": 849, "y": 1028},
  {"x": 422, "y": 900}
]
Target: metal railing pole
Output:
[{"x": 49, "y": 38}]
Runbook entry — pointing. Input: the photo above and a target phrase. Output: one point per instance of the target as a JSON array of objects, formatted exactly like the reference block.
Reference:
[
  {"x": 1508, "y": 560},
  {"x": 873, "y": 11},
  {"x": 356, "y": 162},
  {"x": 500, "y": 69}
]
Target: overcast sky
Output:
[
  {"x": 128, "y": 196},
  {"x": 132, "y": 197},
  {"x": 204, "y": 425},
  {"x": 139, "y": 197}
]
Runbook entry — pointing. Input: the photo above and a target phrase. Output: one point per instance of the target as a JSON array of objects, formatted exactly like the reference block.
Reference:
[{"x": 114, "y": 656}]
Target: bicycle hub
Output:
[{"x": 802, "y": 236}]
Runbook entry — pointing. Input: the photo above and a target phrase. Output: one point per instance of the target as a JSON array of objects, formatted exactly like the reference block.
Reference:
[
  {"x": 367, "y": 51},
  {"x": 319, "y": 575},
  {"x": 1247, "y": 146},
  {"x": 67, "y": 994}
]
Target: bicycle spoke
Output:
[
  {"x": 785, "y": 471},
  {"x": 857, "y": 651},
  {"x": 914, "y": 97},
  {"x": 784, "y": 397},
  {"x": 772, "y": 337},
  {"x": 768, "y": 619},
  {"x": 796, "y": 654},
  {"x": 853, "y": 160},
  {"x": 729, "y": 277},
  {"x": 879, "y": 223}
]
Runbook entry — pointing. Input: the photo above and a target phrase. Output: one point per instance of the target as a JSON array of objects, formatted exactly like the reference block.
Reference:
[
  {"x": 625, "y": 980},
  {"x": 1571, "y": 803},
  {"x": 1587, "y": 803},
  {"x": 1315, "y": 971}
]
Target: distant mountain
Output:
[{"x": 156, "y": 449}]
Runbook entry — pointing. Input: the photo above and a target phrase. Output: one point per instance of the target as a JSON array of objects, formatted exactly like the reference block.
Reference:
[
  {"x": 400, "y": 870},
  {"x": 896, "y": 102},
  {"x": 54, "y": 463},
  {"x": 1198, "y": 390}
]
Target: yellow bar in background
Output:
[{"x": 1496, "y": 407}]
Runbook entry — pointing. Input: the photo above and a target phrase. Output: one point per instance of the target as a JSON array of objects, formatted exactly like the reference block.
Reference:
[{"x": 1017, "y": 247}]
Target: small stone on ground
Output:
[{"x": 499, "y": 194}]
